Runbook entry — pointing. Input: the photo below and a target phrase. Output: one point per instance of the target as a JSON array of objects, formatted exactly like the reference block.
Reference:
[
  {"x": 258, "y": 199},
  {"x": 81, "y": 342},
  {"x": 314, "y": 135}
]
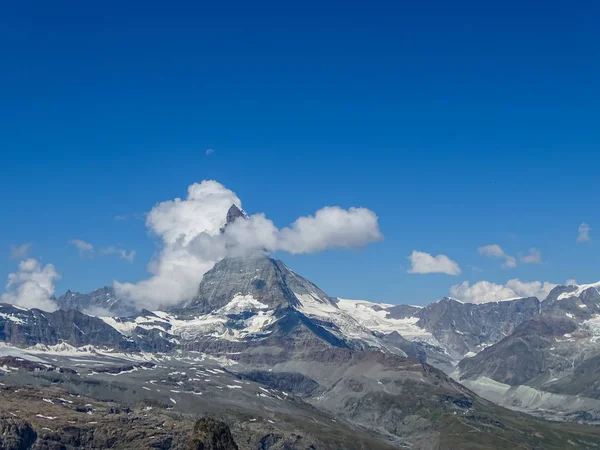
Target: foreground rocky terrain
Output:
[{"x": 363, "y": 400}]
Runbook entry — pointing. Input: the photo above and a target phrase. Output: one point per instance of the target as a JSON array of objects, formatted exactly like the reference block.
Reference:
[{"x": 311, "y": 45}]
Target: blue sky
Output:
[{"x": 459, "y": 126}]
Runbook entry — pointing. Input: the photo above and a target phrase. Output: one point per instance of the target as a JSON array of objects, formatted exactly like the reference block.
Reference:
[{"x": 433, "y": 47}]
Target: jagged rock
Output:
[
  {"x": 232, "y": 214},
  {"x": 468, "y": 327},
  {"x": 24, "y": 328},
  {"x": 520, "y": 357},
  {"x": 15, "y": 434},
  {"x": 210, "y": 434},
  {"x": 101, "y": 302}
]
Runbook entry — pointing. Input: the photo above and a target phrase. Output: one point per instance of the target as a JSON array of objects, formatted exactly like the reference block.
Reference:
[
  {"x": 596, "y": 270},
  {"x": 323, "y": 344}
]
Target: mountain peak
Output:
[{"x": 233, "y": 213}]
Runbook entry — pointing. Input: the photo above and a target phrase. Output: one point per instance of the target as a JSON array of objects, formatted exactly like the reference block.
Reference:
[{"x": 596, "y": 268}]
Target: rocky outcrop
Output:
[
  {"x": 210, "y": 434},
  {"x": 15, "y": 433}
]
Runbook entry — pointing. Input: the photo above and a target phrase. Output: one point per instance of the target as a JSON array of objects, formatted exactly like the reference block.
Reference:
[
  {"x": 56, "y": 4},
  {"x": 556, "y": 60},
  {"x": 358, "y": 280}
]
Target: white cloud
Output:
[
  {"x": 190, "y": 230},
  {"x": 330, "y": 227},
  {"x": 20, "y": 251},
  {"x": 121, "y": 253},
  {"x": 533, "y": 257},
  {"x": 571, "y": 282},
  {"x": 209, "y": 151},
  {"x": 481, "y": 292},
  {"x": 531, "y": 288},
  {"x": 486, "y": 291},
  {"x": 495, "y": 251},
  {"x": 83, "y": 247},
  {"x": 421, "y": 262},
  {"x": 32, "y": 286},
  {"x": 584, "y": 232}
]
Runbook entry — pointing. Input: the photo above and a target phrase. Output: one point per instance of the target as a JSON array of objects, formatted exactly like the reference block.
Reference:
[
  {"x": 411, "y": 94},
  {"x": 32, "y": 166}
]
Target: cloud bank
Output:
[
  {"x": 486, "y": 291},
  {"x": 192, "y": 241},
  {"x": 421, "y": 263},
  {"x": 32, "y": 286}
]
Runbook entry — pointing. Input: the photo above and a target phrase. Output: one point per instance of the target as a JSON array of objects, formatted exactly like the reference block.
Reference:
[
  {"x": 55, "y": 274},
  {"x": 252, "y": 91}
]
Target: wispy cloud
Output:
[
  {"x": 422, "y": 263},
  {"x": 495, "y": 251},
  {"x": 132, "y": 216},
  {"x": 533, "y": 257},
  {"x": 85, "y": 248},
  {"x": 20, "y": 251},
  {"x": 584, "y": 233},
  {"x": 209, "y": 151},
  {"x": 121, "y": 253}
]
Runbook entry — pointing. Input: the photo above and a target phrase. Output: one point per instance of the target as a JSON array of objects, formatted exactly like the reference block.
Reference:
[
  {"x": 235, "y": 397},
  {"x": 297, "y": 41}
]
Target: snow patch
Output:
[{"x": 580, "y": 290}]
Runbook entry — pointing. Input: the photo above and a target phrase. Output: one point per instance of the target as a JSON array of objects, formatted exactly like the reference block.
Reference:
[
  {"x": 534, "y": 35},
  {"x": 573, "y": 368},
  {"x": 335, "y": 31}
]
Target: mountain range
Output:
[{"x": 287, "y": 366}]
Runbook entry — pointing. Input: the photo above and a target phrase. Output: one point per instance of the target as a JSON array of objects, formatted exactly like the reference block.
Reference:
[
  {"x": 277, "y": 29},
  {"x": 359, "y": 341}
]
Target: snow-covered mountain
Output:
[
  {"x": 279, "y": 339},
  {"x": 555, "y": 355},
  {"x": 244, "y": 299},
  {"x": 103, "y": 301},
  {"x": 252, "y": 310},
  {"x": 256, "y": 301}
]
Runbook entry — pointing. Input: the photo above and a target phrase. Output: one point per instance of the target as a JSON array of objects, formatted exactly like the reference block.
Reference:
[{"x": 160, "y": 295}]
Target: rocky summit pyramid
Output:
[
  {"x": 232, "y": 214},
  {"x": 254, "y": 306},
  {"x": 268, "y": 281}
]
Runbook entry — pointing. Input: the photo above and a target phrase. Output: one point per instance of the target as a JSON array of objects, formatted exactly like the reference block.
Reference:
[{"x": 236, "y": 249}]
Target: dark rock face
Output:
[
  {"x": 288, "y": 338},
  {"x": 210, "y": 434},
  {"x": 403, "y": 311},
  {"x": 582, "y": 306},
  {"x": 24, "y": 328},
  {"x": 152, "y": 341},
  {"x": 556, "y": 351},
  {"x": 292, "y": 382},
  {"x": 467, "y": 327},
  {"x": 16, "y": 434},
  {"x": 520, "y": 357},
  {"x": 413, "y": 350},
  {"x": 102, "y": 301},
  {"x": 232, "y": 214},
  {"x": 552, "y": 297},
  {"x": 30, "y": 366}
]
